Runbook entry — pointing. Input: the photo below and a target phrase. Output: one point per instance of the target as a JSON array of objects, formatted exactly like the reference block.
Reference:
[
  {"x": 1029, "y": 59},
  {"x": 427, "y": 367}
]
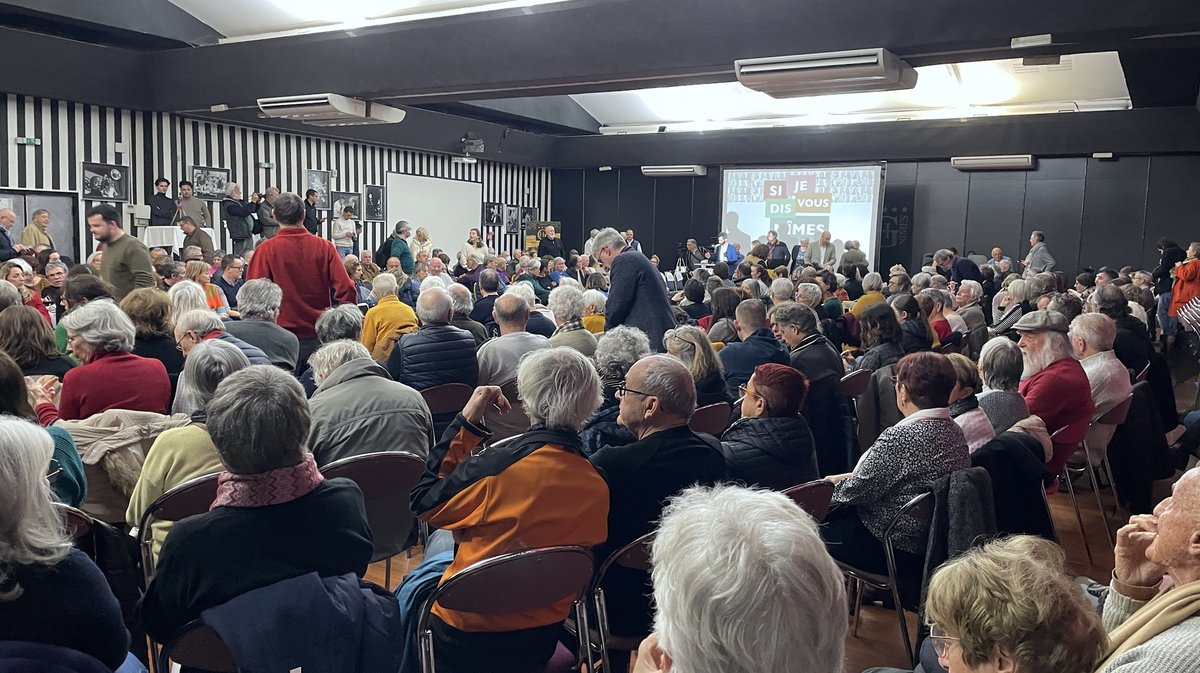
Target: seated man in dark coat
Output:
[
  {"x": 275, "y": 516},
  {"x": 438, "y": 353},
  {"x": 826, "y": 408},
  {"x": 657, "y": 400},
  {"x": 757, "y": 346},
  {"x": 770, "y": 445}
]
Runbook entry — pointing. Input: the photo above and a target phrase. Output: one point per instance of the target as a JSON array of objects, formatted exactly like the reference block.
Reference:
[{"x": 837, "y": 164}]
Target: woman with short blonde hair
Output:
[
  {"x": 200, "y": 273},
  {"x": 690, "y": 345}
]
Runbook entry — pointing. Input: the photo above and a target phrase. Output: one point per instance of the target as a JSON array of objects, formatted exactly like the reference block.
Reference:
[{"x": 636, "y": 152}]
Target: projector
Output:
[{"x": 472, "y": 145}]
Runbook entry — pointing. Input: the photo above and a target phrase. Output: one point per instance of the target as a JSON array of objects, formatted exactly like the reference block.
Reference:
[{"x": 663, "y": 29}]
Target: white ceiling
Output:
[
  {"x": 1080, "y": 82},
  {"x": 257, "y": 19}
]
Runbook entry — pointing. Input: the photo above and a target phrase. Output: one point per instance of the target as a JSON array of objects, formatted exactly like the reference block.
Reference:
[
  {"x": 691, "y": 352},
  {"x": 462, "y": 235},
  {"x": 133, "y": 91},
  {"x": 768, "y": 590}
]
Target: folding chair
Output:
[
  {"x": 712, "y": 419},
  {"x": 386, "y": 480},
  {"x": 636, "y": 556},
  {"x": 196, "y": 645},
  {"x": 813, "y": 497},
  {"x": 514, "y": 582},
  {"x": 856, "y": 382},
  {"x": 187, "y": 499},
  {"x": 445, "y": 401},
  {"x": 1093, "y": 458},
  {"x": 77, "y": 522},
  {"x": 919, "y": 508}
]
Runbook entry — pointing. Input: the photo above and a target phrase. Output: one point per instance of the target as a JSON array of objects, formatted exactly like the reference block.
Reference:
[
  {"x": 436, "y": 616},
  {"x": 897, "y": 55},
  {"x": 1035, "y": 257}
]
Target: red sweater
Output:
[
  {"x": 1062, "y": 397},
  {"x": 110, "y": 381},
  {"x": 36, "y": 302},
  {"x": 309, "y": 270}
]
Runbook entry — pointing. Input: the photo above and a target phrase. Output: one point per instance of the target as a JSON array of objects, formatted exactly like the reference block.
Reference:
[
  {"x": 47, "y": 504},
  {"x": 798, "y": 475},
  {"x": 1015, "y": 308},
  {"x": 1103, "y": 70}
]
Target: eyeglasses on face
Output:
[
  {"x": 940, "y": 640},
  {"x": 623, "y": 390}
]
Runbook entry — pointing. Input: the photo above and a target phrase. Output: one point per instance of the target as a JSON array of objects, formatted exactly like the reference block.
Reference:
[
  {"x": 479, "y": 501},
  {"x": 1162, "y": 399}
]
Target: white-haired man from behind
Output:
[{"x": 781, "y": 607}]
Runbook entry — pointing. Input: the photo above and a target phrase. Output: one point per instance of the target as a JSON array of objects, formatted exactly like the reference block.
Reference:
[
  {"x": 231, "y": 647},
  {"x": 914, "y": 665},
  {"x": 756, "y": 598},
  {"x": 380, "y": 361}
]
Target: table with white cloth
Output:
[{"x": 168, "y": 237}]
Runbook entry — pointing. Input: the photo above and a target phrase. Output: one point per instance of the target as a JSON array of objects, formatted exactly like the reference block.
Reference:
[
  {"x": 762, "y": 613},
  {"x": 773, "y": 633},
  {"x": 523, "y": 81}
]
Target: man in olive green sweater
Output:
[{"x": 126, "y": 263}]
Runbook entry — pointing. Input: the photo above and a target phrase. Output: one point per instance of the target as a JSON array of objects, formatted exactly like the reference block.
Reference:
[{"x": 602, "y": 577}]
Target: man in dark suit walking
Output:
[{"x": 636, "y": 295}]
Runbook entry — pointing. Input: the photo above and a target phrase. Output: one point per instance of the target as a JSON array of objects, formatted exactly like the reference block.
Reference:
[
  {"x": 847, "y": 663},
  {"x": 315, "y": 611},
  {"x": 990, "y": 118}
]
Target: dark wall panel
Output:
[
  {"x": 600, "y": 199},
  {"x": 939, "y": 209},
  {"x": 994, "y": 210},
  {"x": 1055, "y": 207},
  {"x": 1114, "y": 210},
  {"x": 635, "y": 204},
  {"x": 706, "y": 213},
  {"x": 566, "y": 206},
  {"x": 673, "y": 217},
  {"x": 1173, "y": 200}
]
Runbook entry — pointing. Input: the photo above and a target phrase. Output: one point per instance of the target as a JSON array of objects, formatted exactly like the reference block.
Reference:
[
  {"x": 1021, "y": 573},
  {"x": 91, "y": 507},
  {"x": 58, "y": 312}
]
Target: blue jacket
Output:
[
  {"x": 323, "y": 625},
  {"x": 433, "y": 355},
  {"x": 740, "y": 359},
  {"x": 638, "y": 298}
]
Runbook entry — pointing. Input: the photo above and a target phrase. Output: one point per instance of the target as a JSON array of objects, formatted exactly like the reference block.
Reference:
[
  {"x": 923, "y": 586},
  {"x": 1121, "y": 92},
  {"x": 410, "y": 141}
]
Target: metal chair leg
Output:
[
  {"x": 387, "y": 574},
  {"x": 585, "y": 636},
  {"x": 858, "y": 592},
  {"x": 1099, "y": 503},
  {"x": 1108, "y": 474},
  {"x": 1066, "y": 476},
  {"x": 908, "y": 646}
]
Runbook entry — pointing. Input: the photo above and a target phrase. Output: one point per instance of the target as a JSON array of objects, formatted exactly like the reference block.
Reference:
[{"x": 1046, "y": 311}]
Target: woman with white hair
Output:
[
  {"x": 182, "y": 454},
  {"x": 566, "y": 303},
  {"x": 616, "y": 351},
  {"x": 872, "y": 285},
  {"x": 593, "y": 310},
  {"x": 538, "y": 490},
  {"x": 186, "y": 296},
  {"x": 387, "y": 320},
  {"x": 101, "y": 338},
  {"x": 50, "y": 592},
  {"x": 1015, "y": 304},
  {"x": 1000, "y": 367}
]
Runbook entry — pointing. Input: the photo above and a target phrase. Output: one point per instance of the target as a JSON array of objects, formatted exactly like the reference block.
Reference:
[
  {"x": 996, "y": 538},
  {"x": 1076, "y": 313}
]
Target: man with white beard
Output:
[{"x": 1054, "y": 384}]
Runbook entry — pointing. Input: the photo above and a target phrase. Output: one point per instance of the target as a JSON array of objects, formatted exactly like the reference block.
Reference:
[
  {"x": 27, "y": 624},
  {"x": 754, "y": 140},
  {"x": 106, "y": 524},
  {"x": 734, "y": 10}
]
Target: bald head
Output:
[
  {"x": 511, "y": 312},
  {"x": 8, "y": 217},
  {"x": 434, "y": 306}
]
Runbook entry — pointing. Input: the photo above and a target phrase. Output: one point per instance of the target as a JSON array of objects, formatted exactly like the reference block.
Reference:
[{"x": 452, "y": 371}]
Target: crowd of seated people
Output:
[{"x": 578, "y": 432}]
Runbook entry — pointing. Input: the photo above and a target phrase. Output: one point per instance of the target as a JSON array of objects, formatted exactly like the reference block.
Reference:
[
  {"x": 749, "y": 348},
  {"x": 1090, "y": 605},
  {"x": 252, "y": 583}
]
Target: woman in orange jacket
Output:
[{"x": 1187, "y": 280}]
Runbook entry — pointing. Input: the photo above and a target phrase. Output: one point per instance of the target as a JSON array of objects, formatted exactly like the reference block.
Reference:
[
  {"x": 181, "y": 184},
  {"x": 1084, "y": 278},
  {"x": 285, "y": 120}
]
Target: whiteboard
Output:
[{"x": 448, "y": 209}]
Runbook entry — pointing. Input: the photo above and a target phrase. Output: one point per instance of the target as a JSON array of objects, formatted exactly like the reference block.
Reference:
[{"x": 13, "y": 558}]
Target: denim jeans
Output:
[
  {"x": 1169, "y": 325},
  {"x": 345, "y": 251}
]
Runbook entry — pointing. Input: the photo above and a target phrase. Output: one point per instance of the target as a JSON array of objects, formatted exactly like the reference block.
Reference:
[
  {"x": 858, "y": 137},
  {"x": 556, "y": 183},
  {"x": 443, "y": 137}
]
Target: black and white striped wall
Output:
[{"x": 158, "y": 144}]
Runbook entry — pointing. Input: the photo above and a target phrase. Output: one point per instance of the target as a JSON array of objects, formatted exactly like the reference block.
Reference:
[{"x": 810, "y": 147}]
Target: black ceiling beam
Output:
[
  {"x": 556, "y": 115},
  {"x": 1162, "y": 76},
  {"x": 423, "y": 130},
  {"x": 1157, "y": 131},
  {"x": 136, "y": 24},
  {"x": 622, "y": 44},
  {"x": 56, "y": 67}
]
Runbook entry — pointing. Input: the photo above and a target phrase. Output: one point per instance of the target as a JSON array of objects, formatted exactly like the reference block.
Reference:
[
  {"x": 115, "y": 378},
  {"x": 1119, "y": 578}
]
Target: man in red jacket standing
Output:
[{"x": 309, "y": 270}]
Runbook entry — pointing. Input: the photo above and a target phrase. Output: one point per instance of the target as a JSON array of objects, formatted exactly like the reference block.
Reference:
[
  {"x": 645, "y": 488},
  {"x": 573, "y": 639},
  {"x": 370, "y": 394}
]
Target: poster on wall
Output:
[
  {"x": 512, "y": 219},
  {"x": 373, "y": 208},
  {"x": 105, "y": 182},
  {"x": 528, "y": 215},
  {"x": 209, "y": 183},
  {"x": 319, "y": 181},
  {"x": 493, "y": 214},
  {"x": 342, "y": 200}
]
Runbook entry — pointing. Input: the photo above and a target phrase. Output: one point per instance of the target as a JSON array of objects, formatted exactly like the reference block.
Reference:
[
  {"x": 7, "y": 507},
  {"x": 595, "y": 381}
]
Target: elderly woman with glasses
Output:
[
  {"x": 50, "y": 592},
  {"x": 1010, "y": 605},
  {"x": 101, "y": 337},
  {"x": 905, "y": 460},
  {"x": 771, "y": 444}
]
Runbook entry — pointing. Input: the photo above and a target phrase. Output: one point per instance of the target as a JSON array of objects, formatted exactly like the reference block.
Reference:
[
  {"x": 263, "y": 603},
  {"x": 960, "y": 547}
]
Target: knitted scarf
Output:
[
  {"x": 1167, "y": 609},
  {"x": 273, "y": 487}
]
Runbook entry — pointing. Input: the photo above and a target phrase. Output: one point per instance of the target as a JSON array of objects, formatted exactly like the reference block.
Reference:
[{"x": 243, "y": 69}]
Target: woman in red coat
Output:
[
  {"x": 15, "y": 273},
  {"x": 1187, "y": 280},
  {"x": 101, "y": 337}
]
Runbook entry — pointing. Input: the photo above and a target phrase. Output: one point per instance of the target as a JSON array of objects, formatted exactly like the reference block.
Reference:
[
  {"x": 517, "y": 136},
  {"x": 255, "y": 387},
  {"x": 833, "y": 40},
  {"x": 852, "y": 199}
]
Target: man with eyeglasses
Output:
[
  {"x": 657, "y": 400},
  {"x": 230, "y": 279},
  {"x": 899, "y": 283}
]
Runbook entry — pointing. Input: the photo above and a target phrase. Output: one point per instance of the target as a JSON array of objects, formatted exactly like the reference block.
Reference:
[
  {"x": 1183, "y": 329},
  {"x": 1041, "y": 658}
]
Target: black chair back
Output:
[
  {"x": 196, "y": 646},
  {"x": 813, "y": 497}
]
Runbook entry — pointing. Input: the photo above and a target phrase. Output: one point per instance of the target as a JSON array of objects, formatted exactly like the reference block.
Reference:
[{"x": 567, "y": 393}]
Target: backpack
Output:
[{"x": 384, "y": 251}]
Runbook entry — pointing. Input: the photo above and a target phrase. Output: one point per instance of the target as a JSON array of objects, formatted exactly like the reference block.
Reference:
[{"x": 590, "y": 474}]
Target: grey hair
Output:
[
  {"x": 431, "y": 283},
  {"x": 767, "y": 598},
  {"x": 796, "y": 315},
  {"x": 200, "y": 321},
  {"x": 230, "y": 187},
  {"x": 567, "y": 281},
  {"x": 384, "y": 285},
  {"x": 258, "y": 420},
  {"x": 260, "y": 299},
  {"x": 489, "y": 280},
  {"x": 782, "y": 289},
  {"x": 595, "y": 299},
  {"x": 921, "y": 281},
  {"x": 186, "y": 295},
  {"x": 609, "y": 238},
  {"x": 566, "y": 303},
  {"x": 55, "y": 265},
  {"x": 191, "y": 252},
  {"x": 207, "y": 364},
  {"x": 9, "y": 294},
  {"x": 339, "y": 322},
  {"x": 670, "y": 381},
  {"x": 809, "y": 294},
  {"x": 335, "y": 354},
  {"x": 1002, "y": 363},
  {"x": 33, "y": 528},
  {"x": 524, "y": 290},
  {"x": 973, "y": 288},
  {"x": 558, "y": 388},
  {"x": 402, "y": 227},
  {"x": 434, "y": 305},
  {"x": 618, "y": 349},
  {"x": 1018, "y": 290},
  {"x": 102, "y": 325},
  {"x": 1097, "y": 330},
  {"x": 942, "y": 255},
  {"x": 460, "y": 299},
  {"x": 872, "y": 282},
  {"x": 271, "y": 191}
]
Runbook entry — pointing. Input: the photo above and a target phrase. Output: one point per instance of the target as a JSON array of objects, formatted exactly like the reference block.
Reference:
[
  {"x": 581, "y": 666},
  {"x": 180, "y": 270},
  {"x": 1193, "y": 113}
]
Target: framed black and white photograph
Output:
[
  {"x": 318, "y": 180},
  {"x": 209, "y": 183},
  {"x": 493, "y": 214},
  {"x": 512, "y": 219},
  {"x": 105, "y": 182},
  {"x": 352, "y": 200},
  {"x": 528, "y": 215},
  {"x": 374, "y": 209}
]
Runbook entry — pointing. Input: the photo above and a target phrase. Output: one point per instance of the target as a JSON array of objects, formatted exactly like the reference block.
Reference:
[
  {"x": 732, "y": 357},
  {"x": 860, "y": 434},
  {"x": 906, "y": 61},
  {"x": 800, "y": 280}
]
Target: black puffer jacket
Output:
[
  {"x": 601, "y": 427},
  {"x": 434, "y": 355},
  {"x": 773, "y": 452}
]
